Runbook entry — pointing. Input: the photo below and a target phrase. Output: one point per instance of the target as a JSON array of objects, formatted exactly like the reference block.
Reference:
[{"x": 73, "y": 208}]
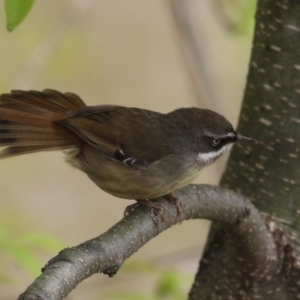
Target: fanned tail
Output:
[{"x": 29, "y": 121}]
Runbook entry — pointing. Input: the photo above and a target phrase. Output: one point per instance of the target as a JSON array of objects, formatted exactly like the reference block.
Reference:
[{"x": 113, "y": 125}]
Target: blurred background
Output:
[{"x": 153, "y": 54}]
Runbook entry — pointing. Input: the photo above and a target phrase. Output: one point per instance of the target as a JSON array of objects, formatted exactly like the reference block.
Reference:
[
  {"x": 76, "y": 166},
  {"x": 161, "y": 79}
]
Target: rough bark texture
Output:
[
  {"x": 268, "y": 173},
  {"x": 106, "y": 253}
]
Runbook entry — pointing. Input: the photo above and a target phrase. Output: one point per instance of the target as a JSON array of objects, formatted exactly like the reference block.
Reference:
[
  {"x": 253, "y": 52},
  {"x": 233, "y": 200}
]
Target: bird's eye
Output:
[{"x": 215, "y": 142}]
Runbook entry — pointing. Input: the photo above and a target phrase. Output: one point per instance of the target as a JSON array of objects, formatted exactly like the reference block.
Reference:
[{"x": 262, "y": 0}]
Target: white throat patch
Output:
[{"x": 209, "y": 157}]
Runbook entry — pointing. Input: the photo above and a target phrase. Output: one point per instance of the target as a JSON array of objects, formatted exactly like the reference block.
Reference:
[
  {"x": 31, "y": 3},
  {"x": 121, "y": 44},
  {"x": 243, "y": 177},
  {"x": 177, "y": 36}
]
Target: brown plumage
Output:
[
  {"x": 29, "y": 121},
  {"x": 129, "y": 152}
]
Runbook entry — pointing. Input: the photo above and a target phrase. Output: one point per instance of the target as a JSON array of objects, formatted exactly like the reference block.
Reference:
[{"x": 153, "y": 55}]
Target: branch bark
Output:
[{"x": 242, "y": 224}]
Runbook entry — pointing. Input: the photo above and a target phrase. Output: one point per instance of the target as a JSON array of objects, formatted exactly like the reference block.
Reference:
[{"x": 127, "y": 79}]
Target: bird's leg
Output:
[
  {"x": 177, "y": 203},
  {"x": 157, "y": 207}
]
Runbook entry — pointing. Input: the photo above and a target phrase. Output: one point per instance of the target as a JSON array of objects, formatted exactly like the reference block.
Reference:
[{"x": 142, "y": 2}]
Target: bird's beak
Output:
[{"x": 244, "y": 139}]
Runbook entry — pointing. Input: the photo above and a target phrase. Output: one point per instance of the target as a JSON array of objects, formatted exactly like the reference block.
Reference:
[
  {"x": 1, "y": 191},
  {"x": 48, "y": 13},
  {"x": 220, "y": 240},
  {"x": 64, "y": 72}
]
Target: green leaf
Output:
[
  {"x": 169, "y": 285},
  {"x": 16, "y": 11},
  {"x": 26, "y": 258}
]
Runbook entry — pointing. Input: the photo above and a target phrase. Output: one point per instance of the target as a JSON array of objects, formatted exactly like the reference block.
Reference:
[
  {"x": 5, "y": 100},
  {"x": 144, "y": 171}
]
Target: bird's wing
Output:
[{"x": 132, "y": 136}]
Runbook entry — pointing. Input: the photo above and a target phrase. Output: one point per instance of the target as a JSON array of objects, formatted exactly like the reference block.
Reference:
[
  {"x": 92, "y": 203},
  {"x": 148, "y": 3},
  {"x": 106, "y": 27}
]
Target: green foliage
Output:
[
  {"x": 240, "y": 14},
  {"x": 24, "y": 251},
  {"x": 16, "y": 11},
  {"x": 170, "y": 283}
]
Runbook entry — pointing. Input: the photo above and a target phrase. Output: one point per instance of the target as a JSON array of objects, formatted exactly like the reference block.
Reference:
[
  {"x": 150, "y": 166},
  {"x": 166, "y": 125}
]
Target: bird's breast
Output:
[{"x": 148, "y": 182}]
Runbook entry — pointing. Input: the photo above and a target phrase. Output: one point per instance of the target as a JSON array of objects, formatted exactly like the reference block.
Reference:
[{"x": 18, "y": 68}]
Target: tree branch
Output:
[{"x": 242, "y": 223}]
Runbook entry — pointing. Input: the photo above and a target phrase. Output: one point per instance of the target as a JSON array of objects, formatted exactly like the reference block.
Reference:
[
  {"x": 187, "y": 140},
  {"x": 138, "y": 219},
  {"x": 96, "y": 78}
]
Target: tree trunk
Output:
[{"x": 267, "y": 173}]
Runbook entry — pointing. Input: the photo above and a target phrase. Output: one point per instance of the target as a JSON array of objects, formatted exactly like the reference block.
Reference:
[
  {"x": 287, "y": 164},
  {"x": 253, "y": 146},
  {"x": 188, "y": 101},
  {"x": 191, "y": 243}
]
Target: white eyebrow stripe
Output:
[{"x": 229, "y": 134}]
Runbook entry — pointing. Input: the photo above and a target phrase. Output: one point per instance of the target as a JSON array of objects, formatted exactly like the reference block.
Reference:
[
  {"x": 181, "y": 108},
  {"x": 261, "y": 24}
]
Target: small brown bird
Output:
[{"x": 128, "y": 152}]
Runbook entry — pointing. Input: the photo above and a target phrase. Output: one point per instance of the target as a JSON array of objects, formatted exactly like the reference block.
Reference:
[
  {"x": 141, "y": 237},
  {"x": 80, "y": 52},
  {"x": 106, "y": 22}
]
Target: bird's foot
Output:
[
  {"x": 157, "y": 207},
  {"x": 178, "y": 204}
]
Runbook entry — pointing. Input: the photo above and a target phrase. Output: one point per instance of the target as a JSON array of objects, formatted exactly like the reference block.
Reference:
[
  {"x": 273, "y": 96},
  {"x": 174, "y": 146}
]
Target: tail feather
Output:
[
  {"x": 44, "y": 103},
  {"x": 18, "y": 113},
  {"x": 68, "y": 101},
  {"x": 14, "y": 151},
  {"x": 10, "y": 127},
  {"x": 29, "y": 121}
]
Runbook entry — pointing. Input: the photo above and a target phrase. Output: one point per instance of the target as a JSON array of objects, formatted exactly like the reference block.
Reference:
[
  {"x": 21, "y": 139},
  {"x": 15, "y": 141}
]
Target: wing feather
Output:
[{"x": 130, "y": 135}]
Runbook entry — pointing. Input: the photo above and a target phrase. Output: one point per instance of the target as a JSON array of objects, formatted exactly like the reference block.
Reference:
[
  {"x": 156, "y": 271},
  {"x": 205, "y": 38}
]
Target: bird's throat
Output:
[{"x": 210, "y": 157}]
